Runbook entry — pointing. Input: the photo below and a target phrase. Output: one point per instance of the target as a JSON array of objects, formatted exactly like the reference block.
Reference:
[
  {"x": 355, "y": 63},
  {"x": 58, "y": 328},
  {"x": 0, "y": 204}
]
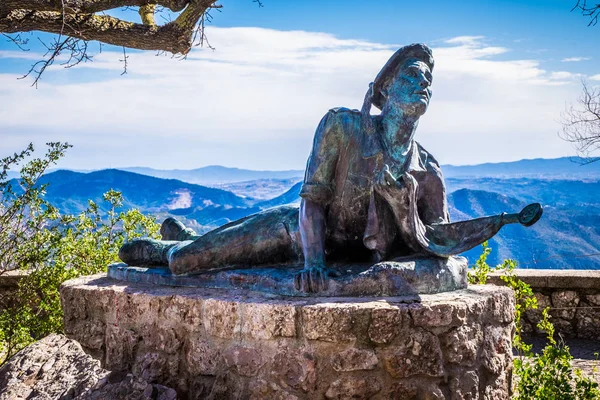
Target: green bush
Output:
[
  {"x": 52, "y": 247},
  {"x": 548, "y": 375}
]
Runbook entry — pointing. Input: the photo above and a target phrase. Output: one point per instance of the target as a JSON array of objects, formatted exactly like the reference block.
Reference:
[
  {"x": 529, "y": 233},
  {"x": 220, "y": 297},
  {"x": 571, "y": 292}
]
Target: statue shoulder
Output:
[
  {"x": 342, "y": 117},
  {"x": 343, "y": 110},
  {"x": 427, "y": 159},
  {"x": 338, "y": 122}
]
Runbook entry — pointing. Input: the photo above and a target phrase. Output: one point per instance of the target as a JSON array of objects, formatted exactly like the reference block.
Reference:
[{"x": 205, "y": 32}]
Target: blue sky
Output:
[{"x": 504, "y": 72}]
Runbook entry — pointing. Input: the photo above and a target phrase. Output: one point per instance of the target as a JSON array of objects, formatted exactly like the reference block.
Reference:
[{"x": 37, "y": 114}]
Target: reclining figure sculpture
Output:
[{"x": 370, "y": 192}]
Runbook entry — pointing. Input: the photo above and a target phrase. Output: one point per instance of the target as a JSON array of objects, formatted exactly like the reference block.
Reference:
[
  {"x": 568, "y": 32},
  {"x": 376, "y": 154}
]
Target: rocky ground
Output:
[{"x": 57, "y": 368}]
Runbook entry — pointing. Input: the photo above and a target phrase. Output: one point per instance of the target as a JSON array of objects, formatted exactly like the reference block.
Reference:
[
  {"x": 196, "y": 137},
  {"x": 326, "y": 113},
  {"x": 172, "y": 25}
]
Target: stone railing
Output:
[
  {"x": 572, "y": 295},
  {"x": 9, "y": 282}
]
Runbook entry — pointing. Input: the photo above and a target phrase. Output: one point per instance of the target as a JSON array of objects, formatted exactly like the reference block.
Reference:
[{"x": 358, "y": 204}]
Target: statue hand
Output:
[
  {"x": 312, "y": 279},
  {"x": 386, "y": 185}
]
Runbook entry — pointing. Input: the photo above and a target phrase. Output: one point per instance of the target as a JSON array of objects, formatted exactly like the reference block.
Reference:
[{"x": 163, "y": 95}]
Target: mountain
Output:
[
  {"x": 260, "y": 189},
  {"x": 216, "y": 174},
  {"x": 559, "y": 168},
  {"x": 289, "y": 197},
  {"x": 568, "y": 230},
  {"x": 558, "y": 240},
  {"x": 567, "y": 236},
  {"x": 70, "y": 191},
  {"x": 139, "y": 191},
  {"x": 568, "y": 168}
]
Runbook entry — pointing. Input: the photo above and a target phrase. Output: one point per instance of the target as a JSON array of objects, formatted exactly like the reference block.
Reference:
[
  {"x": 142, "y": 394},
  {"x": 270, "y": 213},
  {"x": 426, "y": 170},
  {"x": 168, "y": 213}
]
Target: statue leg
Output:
[
  {"x": 145, "y": 252},
  {"x": 270, "y": 236},
  {"x": 172, "y": 229}
]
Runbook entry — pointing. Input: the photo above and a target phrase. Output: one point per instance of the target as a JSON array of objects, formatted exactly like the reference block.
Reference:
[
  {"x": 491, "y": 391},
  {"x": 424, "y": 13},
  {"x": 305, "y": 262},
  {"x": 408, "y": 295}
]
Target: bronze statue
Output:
[{"x": 370, "y": 193}]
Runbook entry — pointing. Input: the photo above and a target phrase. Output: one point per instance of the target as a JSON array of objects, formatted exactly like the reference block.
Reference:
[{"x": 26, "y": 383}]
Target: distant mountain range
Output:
[
  {"x": 215, "y": 174},
  {"x": 568, "y": 235},
  {"x": 554, "y": 168}
]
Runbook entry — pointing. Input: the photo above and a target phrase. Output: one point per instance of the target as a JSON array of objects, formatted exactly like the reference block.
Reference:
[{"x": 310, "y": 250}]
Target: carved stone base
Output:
[
  {"x": 217, "y": 344},
  {"x": 401, "y": 277}
]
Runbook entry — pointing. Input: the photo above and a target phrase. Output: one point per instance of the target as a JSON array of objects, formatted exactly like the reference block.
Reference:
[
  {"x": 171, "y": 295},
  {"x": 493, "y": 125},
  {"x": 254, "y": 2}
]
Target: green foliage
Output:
[
  {"x": 548, "y": 375},
  {"x": 478, "y": 275},
  {"x": 52, "y": 248}
]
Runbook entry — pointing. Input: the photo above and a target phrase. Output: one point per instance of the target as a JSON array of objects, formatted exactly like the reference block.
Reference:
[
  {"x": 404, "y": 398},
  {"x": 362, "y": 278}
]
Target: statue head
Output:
[
  {"x": 405, "y": 78},
  {"x": 404, "y": 82},
  {"x": 406, "y": 69}
]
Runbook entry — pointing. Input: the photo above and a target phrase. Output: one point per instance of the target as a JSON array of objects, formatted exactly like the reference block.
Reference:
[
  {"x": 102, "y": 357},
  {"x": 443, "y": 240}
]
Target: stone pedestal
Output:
[{"x": 217, "y": 344}]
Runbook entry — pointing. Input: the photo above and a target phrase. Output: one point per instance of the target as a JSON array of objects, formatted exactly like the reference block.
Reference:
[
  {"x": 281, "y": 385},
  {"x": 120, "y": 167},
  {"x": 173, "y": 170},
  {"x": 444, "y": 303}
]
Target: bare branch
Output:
[
  {"x": 17, "y": 40},
  {"x": 588, "y": 10},
  {"x": 581, "y": 122},
  {"x": 124, "y": 61},
  {"x": 77, "y": 50},
  {"x": 77, "y": 22}
]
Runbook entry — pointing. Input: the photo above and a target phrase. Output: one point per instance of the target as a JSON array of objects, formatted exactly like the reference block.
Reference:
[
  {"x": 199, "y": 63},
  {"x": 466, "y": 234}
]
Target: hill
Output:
[
  {"x": 558, "y": 168},
  {"x": 70, "y": 191},
  {"x": 216, "y": 174},
  {"x": 564, "y": 238},
  {"x": 559, "y": 240},
  {"x": 567, "y": 233}
]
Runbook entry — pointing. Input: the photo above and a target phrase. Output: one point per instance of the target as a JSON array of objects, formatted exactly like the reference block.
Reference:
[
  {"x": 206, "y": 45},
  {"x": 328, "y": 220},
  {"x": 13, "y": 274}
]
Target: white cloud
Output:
[
  {"x": 465, "y": 40},
  {"x": 595, "y": 77},
  {"x": 575, "y": 59},
  {"x": 255, "y": 102},
  {"x": 560, "y": 75},
  {"x": 23, "y": 55}
]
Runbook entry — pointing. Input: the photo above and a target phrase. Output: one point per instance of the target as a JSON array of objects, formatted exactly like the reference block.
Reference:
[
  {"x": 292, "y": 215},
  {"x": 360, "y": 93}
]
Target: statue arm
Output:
[
  {"x": 317, "y": 192},
  {"x": 312, "y": 232}
]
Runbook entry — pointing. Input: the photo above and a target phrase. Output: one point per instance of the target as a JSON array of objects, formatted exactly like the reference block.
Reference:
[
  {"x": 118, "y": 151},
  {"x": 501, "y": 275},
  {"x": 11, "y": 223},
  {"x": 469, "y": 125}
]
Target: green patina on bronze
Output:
[{"x": 371, "y": 193}]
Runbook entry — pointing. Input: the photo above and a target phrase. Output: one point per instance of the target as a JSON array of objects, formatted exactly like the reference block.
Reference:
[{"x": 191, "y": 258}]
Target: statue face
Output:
[{"x": 411, "y": 88}]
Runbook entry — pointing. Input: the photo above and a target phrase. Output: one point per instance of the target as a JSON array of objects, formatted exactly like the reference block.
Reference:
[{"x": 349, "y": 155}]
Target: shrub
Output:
[
  {"x": 548, "y": 375},
  {"x": 52, "y": 247}
]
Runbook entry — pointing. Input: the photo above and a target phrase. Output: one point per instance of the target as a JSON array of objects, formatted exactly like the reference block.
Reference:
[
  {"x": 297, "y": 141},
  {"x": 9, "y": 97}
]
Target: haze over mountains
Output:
[
  {"x": 567, "y": 236},
  {"x": 557, "y": 168}
]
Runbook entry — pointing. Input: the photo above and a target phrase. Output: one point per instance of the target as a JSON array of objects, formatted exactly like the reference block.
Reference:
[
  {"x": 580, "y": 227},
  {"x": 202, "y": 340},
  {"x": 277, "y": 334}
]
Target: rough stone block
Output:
[
  {"x": 221, "y": 318},
  {"x": 386, "y": 323},
  {"x": 461, "y": 345},
  {"x": 588, "y": 321},
  {"x": 295, "y": 369},
  {"x": 355, "y": 360},
  {"x": 535, "y": 315},
  {"x": 564, "y": 303},
  {"x": 211, "y": 344},
  {"x": 268, "y": 320},
  {"x": 246, "y": 361},
  {"x": 353, "y": 388},
  {"x": 416, "y": 354},
  {"x": 329, "y": 322},
  {"x": 202, "y": 357}
]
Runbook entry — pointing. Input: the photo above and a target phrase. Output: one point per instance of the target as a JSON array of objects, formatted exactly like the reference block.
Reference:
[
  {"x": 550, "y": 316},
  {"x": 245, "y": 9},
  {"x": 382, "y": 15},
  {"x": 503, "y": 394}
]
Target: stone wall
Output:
[
  {"x": 212, "y": 344},
  {"x": 9, "y": 282},
  {"x": 572, "y": 295}
]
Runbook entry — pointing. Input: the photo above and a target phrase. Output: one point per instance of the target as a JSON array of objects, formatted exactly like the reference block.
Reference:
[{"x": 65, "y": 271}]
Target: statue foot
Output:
[
  {"x": 313, "y": 279},
  {"x": 530, "y": 214},
  {"x": 145, "y": 252},
  {"x": 172, "y": 229}
]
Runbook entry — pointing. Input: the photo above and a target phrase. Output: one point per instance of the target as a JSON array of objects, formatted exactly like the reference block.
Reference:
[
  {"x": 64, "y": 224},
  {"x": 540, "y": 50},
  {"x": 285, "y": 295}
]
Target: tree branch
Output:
[
  {"x": 88, "y": 6},
  {"x": 174, "y": 37},
  {"x": 581, "y": 123},
  {"x": 592, "y": 11}
]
